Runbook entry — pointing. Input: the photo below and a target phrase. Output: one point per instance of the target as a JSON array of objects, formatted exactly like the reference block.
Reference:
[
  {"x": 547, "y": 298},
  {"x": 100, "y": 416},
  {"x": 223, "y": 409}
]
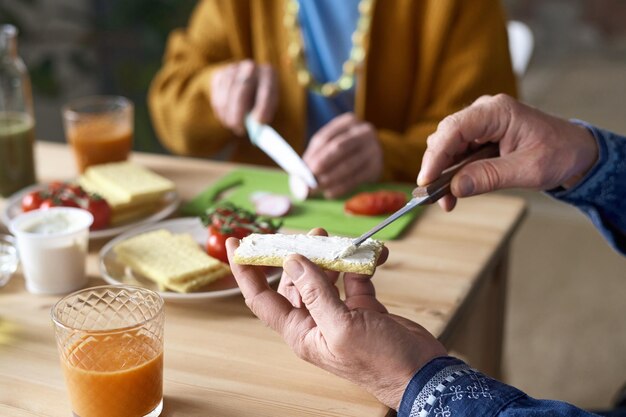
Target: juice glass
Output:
[
  {"x": 110, "y": 342},
  {"x": 99, "y": 129}
]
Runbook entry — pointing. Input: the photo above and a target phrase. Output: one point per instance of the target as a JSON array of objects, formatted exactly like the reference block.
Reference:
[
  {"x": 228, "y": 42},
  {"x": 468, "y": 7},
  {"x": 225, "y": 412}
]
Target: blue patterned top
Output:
[
  {"x": 447, "y": 387},
  {"x": 601, "y": 195}
]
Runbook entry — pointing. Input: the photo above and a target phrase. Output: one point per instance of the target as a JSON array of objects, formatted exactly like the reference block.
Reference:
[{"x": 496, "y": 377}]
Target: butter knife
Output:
[{"x": 426, "y": 195}]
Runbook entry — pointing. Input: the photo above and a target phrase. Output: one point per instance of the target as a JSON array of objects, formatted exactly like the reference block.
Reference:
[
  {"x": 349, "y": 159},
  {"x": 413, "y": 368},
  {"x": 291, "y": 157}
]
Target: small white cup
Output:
[{"x": 52, "y": 244}]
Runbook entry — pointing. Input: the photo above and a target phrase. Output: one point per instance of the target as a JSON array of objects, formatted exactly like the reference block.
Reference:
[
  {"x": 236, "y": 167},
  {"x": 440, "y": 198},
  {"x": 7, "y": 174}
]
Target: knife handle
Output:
[{"x": 441, "y": 186}]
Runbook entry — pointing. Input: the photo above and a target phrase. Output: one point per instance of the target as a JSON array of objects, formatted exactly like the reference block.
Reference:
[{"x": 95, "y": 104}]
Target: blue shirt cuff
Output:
[
  {"x": 601, "y": 194},
  {"x": 447, "y": 384}
]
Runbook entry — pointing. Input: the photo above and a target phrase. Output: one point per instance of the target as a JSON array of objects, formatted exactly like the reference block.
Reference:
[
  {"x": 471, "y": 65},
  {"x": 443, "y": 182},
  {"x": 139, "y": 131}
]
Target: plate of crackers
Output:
[
  {"x": 134, "y": 195},
  {"x": 169, "y": 257}
]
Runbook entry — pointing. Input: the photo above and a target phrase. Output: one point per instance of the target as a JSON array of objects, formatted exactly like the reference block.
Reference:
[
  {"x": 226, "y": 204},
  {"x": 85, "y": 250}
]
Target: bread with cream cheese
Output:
[{"x": 272, "y": 249}]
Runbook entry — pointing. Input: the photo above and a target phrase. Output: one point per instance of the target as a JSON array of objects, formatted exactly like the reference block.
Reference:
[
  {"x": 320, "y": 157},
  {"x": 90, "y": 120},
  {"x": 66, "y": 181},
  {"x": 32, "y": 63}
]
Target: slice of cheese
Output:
[
  {"x": 126, "y": 183},
  {"x": 272, "y": 249},
  {"x": 199, "y": 281},
  {"x": 174, "y": 261},
  {"x": 129, "y": 214}
]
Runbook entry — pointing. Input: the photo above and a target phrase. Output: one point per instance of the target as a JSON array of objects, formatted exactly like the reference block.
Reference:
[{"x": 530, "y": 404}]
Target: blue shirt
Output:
[
  {"x": 327, "y": 27},
  {"x": 447, "y": 387},
  {"x": 601, "y": 195}
]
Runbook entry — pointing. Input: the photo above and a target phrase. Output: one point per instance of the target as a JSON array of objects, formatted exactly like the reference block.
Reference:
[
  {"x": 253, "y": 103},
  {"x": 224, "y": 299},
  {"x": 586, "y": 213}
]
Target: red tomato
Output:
[
  {"x": 101, "y": 212},
  {"x": 32, "y": 201},
  {"x": 75, "y": 190},
  {"x": 49, "y": 202},
  {"x": 56, "y": 186},
  {"x": 69, "y": 202},
  {"x": 375, "y": 203},
  {"x": 216, "y": 244},
  {"x": 232, "y": 221}
]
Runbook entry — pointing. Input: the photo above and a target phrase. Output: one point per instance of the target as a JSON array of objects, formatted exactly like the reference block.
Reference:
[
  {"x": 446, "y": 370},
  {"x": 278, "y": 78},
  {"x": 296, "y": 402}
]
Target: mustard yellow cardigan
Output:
[{"x": 426, "y": 59}]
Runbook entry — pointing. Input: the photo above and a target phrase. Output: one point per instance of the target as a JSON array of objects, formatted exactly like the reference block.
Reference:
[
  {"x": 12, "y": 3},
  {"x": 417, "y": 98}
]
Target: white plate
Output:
[
  {"x": 115, "y": 272},
  {"x": 170, "y": 203}
]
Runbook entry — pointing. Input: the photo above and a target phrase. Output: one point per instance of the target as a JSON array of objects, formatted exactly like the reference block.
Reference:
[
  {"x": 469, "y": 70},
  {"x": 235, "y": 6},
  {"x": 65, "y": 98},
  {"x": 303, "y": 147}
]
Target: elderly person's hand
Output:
[
  {"x": 344, "y": 154},
  {"x": 356, "y": 338},
  {"x": 243, "y": 87},
  {"x": 537, "y": 151}
]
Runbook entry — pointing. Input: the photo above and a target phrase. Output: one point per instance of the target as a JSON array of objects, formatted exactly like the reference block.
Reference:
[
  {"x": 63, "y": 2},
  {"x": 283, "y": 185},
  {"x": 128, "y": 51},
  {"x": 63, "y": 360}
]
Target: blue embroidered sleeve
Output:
[
  {"x": 447, "y": 387},
  {"x": 601, "y": 195}
]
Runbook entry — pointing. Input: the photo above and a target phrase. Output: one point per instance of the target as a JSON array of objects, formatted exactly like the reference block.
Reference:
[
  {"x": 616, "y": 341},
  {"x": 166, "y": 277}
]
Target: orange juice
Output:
[
  {"x": 115, "y": 375},
  {"x": 100, "y": 139}
]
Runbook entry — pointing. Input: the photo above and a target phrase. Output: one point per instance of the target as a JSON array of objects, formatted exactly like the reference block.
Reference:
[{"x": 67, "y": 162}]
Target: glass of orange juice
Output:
[
  {"x": 110, "y": 342},
  {"x": 99, "y": 129}
]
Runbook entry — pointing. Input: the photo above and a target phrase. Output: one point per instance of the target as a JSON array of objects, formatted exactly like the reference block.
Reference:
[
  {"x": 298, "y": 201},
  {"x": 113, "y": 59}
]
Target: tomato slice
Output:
[{"x": 375, "y": 203}]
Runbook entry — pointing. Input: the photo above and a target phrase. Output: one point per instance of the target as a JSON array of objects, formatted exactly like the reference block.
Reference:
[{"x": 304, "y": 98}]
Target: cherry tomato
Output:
[
  {"x": 375, "y": 203},
  {"x": 229, "y": 220},
  {"x": 74, "y": 190},
  {"x": 49, "y": 202},
  {"x": 101, "y": 212},
  {"x": 67, "y": 201},
  {"x": 56, "y": 187},
  {"x": 32, "y": 201},
  {"x": 216, "y": 244}
]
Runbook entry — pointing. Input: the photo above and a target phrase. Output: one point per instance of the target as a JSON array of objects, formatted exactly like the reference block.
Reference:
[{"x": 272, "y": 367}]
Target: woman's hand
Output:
[
  {"x": 244, "y": 87},
  {"x": 344, "y": 154},
  {"x": 537, "y": 150},
  {"x": 356, "y": 338}
]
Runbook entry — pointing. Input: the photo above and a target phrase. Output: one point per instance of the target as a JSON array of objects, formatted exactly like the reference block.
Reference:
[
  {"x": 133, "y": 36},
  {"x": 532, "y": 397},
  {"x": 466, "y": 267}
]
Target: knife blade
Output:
[
  {"x": 270, "y": 142},
  {"x": 425, "y": 195}
]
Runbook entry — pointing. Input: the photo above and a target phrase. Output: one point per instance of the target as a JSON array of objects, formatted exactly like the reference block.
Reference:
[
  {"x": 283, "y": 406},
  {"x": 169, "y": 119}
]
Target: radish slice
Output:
[
  {"x": 273, "y": 205},
  {"x": 258, "y": 195},
  {"x": 299, "y": 189}
]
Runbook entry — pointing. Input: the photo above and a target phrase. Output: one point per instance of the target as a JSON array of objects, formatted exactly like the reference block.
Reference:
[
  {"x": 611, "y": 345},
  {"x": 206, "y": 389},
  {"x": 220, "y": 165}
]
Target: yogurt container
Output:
[{"x": 52, "y": 244}]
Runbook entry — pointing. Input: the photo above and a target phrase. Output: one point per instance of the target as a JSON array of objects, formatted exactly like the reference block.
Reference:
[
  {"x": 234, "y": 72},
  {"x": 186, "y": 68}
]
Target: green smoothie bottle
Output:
[{"x": 17, "y": 124}]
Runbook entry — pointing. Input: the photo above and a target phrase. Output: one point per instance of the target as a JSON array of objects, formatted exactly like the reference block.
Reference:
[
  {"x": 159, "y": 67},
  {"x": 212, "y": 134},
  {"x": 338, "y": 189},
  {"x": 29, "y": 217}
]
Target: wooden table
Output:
[{"x": 448, "y": 273}]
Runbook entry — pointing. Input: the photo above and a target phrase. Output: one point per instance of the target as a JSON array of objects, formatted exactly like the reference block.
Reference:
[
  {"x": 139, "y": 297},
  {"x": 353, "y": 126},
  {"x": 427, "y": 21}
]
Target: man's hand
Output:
[
  {"x": 537, "y": 151},
  {"x": 244, "y": 87},
  {"x": 344, "y": 154},
  {"x": 356, "y": 338}
]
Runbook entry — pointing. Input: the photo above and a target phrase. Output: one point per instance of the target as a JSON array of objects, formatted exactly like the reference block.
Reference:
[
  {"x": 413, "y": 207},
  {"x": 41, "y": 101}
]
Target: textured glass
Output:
[{"x": 110, "y": 341}]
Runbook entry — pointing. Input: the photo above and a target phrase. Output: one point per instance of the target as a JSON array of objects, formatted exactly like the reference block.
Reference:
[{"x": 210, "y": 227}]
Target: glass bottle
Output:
[{"x": 17, "y": 124}]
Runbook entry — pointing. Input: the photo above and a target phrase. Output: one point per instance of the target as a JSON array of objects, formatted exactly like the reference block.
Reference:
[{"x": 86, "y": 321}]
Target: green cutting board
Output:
[{"x": 237, "y": 186}]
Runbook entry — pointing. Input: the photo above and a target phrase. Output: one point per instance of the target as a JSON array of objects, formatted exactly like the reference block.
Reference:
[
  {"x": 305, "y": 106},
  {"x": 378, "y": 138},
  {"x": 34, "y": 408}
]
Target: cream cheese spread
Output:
[{"x": 312, "y": 247}]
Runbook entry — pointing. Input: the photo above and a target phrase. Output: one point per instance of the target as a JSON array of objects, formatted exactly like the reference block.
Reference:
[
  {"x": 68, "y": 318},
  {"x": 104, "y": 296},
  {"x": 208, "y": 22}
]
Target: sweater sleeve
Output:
[
  {"x": 447, "y": 387},
  {"x": 601, "y": 195},
  {"x": 179, "y": 96},
  {"x": 474, "y": 61}
]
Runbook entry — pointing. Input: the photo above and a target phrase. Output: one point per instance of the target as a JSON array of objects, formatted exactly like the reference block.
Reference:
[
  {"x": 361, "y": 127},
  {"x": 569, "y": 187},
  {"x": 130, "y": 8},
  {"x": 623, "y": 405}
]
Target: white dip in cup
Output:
[{"x": 52, "y": 245}]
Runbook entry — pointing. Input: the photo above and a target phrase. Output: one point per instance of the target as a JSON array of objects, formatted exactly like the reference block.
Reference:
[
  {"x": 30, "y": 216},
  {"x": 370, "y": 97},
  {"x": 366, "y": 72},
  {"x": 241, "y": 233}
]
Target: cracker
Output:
[
  {"x": 174, "y": 261},
  {"x": 272, "y": 249}
]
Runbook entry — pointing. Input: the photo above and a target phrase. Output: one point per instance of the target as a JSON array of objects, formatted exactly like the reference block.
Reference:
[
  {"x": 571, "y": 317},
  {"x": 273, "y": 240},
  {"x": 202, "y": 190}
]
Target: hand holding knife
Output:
[
  {"x": 427, "y": 194},
  {"x": 270, "y": 142}
]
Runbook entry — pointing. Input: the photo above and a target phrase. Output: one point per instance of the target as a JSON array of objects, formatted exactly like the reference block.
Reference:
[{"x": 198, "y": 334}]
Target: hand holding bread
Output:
[{"x": 346, "y": 337}]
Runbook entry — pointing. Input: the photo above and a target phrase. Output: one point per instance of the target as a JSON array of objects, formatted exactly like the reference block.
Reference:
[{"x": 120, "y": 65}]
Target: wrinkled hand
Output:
[
  {"x": 244, "y": 87},
  {"x": 356, "y": 338},
  {"x": 288, "y": 289},
  {"x": 344, "y": 154},
  {"x": 537, "y": 151}
]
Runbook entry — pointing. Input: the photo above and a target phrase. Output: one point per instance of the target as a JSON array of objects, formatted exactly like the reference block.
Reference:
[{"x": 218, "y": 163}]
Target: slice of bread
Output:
[
  {"x": 126, "y": 183},
  {"x": 173, "y": 261},
  {"x": 272, "y": 249}
]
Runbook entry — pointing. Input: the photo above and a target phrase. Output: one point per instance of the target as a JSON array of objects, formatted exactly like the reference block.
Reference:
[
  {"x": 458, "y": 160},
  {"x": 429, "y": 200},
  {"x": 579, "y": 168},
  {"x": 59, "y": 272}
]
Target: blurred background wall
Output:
[
  {"x": 74, "y": 48},
  {"x": 566, "y": 323}
]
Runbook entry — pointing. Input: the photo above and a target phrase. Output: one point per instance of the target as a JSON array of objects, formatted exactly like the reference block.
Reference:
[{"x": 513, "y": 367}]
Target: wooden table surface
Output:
[{"x": 447, "y": 273}]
